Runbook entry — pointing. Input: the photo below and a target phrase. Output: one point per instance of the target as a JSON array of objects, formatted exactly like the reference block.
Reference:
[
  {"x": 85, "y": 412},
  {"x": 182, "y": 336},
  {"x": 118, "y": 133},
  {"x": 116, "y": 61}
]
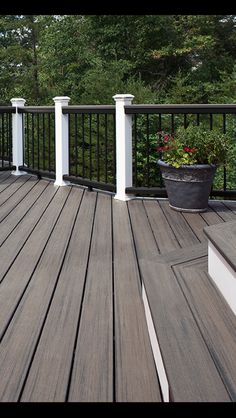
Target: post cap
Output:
[
  {"x": 18, "y": 101},
  {"x": 123, "y": 97},
  {"x": 61, "y": 99}
]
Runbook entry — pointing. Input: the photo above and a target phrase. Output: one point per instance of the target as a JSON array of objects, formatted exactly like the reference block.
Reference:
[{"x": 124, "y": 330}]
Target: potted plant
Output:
[{"x": 189, "y": 160}]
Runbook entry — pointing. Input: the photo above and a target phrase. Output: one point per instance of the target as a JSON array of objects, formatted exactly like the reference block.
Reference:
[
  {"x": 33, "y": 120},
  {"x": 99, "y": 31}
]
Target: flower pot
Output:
[{"x": 188, "y": 187}]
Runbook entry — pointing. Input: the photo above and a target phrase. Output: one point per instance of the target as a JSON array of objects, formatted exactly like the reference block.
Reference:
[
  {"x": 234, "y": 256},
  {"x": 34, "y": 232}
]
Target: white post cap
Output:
[
  {"x": 18, "y": 101},
  {"x": 61, "y": 99},
  {"x": 123, "y": 97}
]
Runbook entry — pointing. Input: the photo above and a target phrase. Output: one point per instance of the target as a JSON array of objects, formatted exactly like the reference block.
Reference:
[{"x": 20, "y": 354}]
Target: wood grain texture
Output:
[
  {"x": 16, "y": 198},
  {"x": 136, "y": 378},
  {"x": 14, "y": 185},
  {"x": 180, "y": 227},
  {"x": 190, "y": 370},
  {"x": 92, "y": 375},
  {"x": 69, "y": 285},
  {"x": 49, "y": 373},
  {"x": 18, "y": 344},
  {"x": 146, "y": 246},
  {"x": 161, "y": 229},
  {"x": 215, "y": 319},
  {"x": 196, "y": 223},
  {"x": 20, "y": 211},
  {"x": 6, "y": 180},
  {"x": 222, "y": 210},
  {"x": 211, "y": 217},
  {"x": 15, "y": 243}
]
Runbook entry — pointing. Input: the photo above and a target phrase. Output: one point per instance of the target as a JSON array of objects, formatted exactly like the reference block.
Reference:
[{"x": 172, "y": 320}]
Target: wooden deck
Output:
[{"x": 72, "y": 322}]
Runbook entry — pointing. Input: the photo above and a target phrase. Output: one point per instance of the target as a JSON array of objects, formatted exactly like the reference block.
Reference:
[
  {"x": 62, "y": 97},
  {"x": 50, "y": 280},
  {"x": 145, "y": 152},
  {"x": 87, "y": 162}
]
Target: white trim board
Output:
[{"x": 223, "y": 275}]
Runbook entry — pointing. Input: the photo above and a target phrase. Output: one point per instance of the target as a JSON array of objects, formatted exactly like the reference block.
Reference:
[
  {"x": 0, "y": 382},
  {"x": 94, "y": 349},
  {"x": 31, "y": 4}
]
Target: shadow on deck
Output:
[{"x": 73, "y": 267}]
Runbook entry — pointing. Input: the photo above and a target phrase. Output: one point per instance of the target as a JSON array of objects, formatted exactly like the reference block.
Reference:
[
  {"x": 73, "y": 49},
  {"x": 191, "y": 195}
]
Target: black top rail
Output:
[
  {"x": 7, "y": 109},
  {"x": 181, "y": 108},
  {"x": 89, "y": 109},
  {"x": 36, "y": 109}
]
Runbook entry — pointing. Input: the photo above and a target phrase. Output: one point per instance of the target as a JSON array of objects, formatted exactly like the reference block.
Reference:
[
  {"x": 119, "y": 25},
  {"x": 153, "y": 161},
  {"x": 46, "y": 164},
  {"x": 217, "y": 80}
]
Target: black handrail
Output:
[
  {"x": 181, "y": 108},
  {"x": 105, "y": 109}
]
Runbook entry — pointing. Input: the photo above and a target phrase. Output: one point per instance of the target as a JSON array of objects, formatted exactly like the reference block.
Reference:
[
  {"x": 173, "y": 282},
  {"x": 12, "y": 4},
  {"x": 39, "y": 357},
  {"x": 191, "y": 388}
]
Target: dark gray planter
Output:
[{"x": 188, "y": 187}]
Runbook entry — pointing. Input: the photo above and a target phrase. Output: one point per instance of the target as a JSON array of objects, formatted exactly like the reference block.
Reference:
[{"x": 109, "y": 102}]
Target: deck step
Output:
[{"x": 222, "y": 259}]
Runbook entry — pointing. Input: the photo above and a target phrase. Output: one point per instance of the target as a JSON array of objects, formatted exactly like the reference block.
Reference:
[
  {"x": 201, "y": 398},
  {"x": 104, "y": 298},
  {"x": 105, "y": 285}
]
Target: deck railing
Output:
[
  {"x": 109, "y": 147},
  {"x": 6, "y": 137},
  {"x": 92, "y": 158},
  {"x": 39, "y": 139},
  {"x": 148, "y": 120}
]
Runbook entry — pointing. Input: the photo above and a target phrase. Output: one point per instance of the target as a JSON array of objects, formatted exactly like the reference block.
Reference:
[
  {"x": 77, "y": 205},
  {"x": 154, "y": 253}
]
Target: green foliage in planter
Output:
[{"x": 195, "y": 145}]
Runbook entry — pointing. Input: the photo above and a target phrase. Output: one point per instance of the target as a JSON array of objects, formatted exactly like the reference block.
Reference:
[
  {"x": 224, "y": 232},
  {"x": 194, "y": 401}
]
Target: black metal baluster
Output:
[
  {"x": 32, "y": 120},
  {"x": 148, "y": 150},
  {"x": 106, "y": 148},
  {"x": 44, "y": 141},
  {"x": 90, "y": 146},
  {"x": 27, "y": 137},
  {"x": 3, "y": 139},
  {"x": 49, "y": 143},
  {"x": 224, "y": 168},
  {"x": 198, "y": 119},
  {"x": 83, "y": 161},
  {"x": 23, "y": 137},
  {"x": 38, "y": 140},
  {"x": 135, "y": 150},
  {"x": 76, "y": 144},
  {"x": 159, "y": 129},
  {"x": 98, "y": 150},
  {"x": 211, "y": 121},
  {"x": 185, "y": 120}
]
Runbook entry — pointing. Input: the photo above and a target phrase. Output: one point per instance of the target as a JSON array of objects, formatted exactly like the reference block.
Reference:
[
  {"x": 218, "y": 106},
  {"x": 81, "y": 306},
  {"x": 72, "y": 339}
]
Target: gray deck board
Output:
[
  {"x": 49, "y": 374},
  {"x": 216, "y": 320},
  {"x": 180, "y": 227},
  {"x": 18, "y": 343},
  {"x": 72, "y": 323},
  {"x": 161, "y": 229},
  {"x": 92, "y": 375},
  {"x": 136, "y": 378}
]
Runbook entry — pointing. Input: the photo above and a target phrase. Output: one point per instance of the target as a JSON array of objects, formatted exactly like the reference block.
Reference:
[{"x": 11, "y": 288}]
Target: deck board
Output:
[
  {"x": 49, "y": 374},
  {"x": 135, "y": 368},
  {"x": 21, "y": 336},
  {"x": 72, "y": 323},
  {"x": 92, "y": 375},
  {"x": 161, "y": 229},
  {"x": 215, "y": 319},
  {"x": 179, "y": 225}
]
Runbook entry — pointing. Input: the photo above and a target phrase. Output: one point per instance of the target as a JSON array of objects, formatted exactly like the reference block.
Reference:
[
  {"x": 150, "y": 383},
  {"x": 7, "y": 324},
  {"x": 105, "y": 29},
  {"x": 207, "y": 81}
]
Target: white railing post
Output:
[
  {"x": 62, "y": 140},
  {"x": 124, "y": 173},
  {"x": 17, "y": 136}
]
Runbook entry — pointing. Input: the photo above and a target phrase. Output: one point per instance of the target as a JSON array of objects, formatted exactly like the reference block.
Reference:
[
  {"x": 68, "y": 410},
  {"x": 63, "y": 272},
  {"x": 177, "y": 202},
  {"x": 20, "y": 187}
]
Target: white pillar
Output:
[
  {"x": 124, "y": 172},
  {"x": 17, "y": 136},
  {"x": 62, "y": 140}
]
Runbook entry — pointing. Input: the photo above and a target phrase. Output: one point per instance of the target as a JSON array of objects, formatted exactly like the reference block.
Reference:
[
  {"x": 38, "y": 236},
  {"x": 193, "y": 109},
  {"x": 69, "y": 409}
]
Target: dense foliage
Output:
[{"x": 157, "y": 58}]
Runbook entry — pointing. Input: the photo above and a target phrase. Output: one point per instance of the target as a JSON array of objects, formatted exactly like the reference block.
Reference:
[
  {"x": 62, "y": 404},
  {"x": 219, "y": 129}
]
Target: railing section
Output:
[
  {"x": 39, "y": 139},
  {"x": 92, "y": 150},
  {"x": 149, "y": 120},
  {"x": 6, "y": 137}
]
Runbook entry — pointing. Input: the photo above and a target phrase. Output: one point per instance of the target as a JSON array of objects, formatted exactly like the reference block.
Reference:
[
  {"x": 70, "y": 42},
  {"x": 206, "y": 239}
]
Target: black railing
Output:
[
  {"x": 92, "y": 158},
  {"x": 148, "y": 120},
  {"x": 6, "y": 137},
  {"x": 39, "y": 140}
]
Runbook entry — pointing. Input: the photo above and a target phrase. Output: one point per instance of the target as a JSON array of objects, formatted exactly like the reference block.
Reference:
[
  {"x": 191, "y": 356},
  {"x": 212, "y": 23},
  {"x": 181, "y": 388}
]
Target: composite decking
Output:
[{"x": 72, "y": 318}]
